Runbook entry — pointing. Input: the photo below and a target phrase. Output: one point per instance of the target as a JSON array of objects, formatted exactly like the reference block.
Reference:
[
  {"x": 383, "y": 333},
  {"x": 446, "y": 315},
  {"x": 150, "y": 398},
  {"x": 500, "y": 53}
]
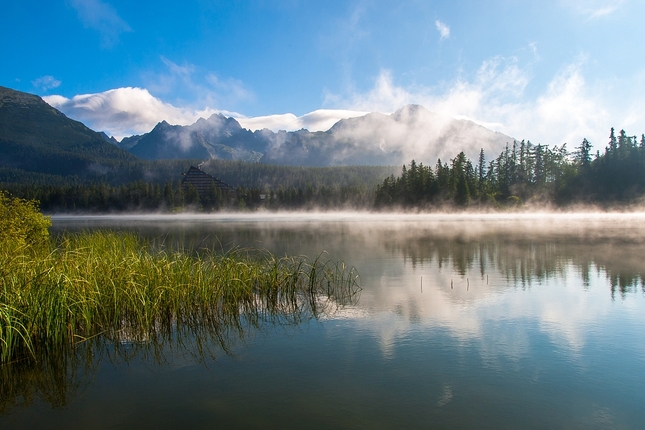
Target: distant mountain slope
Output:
[
  {"x": 412, "y": 132},
  {"x": 217, "y": 137},
  {"x": 35, "y": 137}
]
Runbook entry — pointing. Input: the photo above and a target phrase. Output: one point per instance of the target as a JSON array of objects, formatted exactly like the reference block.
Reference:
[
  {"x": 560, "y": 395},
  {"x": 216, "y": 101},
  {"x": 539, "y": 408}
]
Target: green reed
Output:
[{"x": 77, "y": 288}]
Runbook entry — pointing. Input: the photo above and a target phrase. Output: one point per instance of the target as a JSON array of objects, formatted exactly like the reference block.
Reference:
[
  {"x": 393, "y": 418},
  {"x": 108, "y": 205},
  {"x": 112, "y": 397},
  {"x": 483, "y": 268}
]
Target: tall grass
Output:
[{"x": 74, "y": 289}]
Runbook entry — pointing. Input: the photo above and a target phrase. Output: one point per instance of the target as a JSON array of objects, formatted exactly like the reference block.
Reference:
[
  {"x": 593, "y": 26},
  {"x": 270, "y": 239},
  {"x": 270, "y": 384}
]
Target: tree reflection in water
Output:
[{"x": 524, "y": 259}]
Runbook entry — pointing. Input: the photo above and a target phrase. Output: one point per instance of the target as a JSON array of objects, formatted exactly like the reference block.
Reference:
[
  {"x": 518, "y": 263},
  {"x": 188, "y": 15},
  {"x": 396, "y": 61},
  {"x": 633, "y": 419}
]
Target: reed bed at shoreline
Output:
[{"x": 75, "y": 287}]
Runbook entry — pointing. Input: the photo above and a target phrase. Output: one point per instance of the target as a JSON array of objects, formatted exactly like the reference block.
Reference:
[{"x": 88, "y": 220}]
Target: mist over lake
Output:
[{"x": 463, "y": 320}]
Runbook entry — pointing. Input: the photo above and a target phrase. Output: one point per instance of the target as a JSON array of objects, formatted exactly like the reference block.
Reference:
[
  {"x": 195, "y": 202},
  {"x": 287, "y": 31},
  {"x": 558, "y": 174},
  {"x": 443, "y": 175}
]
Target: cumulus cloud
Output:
[
  {"x": 45, "y": 83},
  {"x": 125, "y": 111},
  {"x": 443, "y": 29},
  {"x": 101, "y": 17},
  {"x": 567, "y": 109}
]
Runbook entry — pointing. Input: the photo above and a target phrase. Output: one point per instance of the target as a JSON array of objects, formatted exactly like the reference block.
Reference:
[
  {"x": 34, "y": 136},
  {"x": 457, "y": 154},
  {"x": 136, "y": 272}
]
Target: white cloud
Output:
[
  {"x": 232, "y": 88},
  {"x": 383, "y": 97},
  {"x": 102, "y": 17},
  {"x": 45, "y": 83},
  {"x": 202, "y": 87},
  {"x": 567, "y": 109},
  {"x": 444, "y": 30},
  {"x": 125, "y": 111},
  {"x": 319, "y": 120},
  {"x": 594, "y": 8}
]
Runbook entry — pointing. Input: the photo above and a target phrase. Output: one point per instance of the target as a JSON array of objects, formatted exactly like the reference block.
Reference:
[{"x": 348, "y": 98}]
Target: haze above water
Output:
[{"x": 464, "y": 321}]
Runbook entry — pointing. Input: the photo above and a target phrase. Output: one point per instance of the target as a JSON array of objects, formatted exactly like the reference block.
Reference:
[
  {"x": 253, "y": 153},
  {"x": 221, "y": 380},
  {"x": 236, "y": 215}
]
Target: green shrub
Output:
[{"x": 21, "y": 222}]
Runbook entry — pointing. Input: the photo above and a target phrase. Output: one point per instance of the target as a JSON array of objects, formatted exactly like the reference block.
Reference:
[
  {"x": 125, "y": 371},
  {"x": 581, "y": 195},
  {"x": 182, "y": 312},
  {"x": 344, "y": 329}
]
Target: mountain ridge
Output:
[
  {"x": 412, "y": 132},
  {"x": 35, "y": 137}
]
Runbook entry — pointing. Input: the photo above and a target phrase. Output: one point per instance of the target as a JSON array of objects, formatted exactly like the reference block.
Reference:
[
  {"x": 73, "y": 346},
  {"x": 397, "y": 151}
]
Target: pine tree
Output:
[
  {"x": 613, "y": 144},
  {"x": 539, "y": 169},
  {"x": 481, "y": 173},
  {"x": 583, "y": 155}
]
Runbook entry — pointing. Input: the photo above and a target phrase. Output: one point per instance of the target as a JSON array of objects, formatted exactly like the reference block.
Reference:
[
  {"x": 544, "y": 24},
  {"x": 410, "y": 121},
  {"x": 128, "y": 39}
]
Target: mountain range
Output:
[
  {"x": 216, "y": 137},
  {"x": 36, "y": 140},
  {"x": 412, "y": 132}
]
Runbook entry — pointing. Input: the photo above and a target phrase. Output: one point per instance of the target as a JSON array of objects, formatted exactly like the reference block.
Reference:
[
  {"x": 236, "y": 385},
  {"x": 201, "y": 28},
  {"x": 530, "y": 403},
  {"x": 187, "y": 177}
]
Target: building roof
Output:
[{"x": 202, "y": 181}]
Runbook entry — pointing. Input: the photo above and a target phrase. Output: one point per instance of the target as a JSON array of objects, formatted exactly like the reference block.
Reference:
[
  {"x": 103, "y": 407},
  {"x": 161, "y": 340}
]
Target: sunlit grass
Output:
[{"x": 74, "y": 288}]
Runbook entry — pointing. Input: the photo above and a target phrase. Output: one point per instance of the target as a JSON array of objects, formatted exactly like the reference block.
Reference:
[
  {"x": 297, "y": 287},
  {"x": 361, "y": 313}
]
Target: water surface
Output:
[{"x": 464, "y": 321}]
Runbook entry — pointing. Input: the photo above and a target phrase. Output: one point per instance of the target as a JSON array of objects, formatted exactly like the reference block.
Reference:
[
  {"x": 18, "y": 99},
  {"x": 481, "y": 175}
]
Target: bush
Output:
[{"x": 21, "y": 222}]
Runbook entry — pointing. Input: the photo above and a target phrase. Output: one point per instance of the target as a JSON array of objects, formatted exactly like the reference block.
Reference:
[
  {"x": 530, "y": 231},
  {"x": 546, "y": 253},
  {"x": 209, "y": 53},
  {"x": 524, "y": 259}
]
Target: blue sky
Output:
[{"x": 550, "y": 71}]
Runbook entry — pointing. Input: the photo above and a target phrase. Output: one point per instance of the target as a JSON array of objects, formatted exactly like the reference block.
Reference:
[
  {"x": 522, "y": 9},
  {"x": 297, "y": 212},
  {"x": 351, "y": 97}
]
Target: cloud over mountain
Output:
[
  {"x": 501, "y": 96},
  {"x": 411, "y": 132},
  {"x": 566, "y": 109},
  {"x": 318, "y": 120},
  {"x": 124, "y": 111},
  {"x": 127, "y": 111}
]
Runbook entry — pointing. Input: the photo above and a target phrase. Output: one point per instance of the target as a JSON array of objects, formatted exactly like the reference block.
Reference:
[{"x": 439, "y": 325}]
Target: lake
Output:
[{"x": 463, "y": 321}]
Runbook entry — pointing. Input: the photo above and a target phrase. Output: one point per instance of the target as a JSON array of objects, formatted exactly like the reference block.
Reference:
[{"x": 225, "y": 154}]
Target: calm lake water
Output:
[{"x": 463, "y": 321}]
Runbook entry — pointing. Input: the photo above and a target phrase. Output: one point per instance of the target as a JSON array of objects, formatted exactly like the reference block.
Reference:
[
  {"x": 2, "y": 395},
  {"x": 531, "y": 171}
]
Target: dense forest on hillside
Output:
[{"x": 524, "y": 172}]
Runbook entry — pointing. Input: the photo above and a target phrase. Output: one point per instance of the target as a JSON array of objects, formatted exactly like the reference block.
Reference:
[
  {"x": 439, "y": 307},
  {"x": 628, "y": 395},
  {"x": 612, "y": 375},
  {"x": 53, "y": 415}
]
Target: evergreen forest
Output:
[
  {"x": 156, "y": 186},
  {"x": 522, "y": 174}
]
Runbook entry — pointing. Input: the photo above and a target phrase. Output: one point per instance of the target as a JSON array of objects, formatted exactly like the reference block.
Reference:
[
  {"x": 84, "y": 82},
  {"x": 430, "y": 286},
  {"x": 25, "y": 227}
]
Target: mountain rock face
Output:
[
  {"x": 35, "y": 137},
  {"x": 109, "y": 139},
  {"x": 412, "y": 132},
  {"x": 216, "y": 137}
]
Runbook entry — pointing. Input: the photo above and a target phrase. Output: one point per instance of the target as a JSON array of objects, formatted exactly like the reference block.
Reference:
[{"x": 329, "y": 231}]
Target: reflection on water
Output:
[
  {"x": 522, "y": 248},
  {"x": 57, "y": 375},
  {"x": 58, "y": 372},
  {"x": 464, "y": 321},
  {"x": 526, "y": 261},
  {"x": 273, "y": 293},
  {"x": 55, "y": 379}
]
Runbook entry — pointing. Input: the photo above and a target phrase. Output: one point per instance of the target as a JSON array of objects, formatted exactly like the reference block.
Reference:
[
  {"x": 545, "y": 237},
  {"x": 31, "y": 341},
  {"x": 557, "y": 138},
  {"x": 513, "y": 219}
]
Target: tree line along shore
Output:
[{"x": 522, "y": 173}]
